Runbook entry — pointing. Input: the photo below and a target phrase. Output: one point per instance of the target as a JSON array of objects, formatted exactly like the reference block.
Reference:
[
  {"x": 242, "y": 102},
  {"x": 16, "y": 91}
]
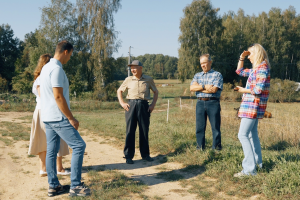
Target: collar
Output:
[
  {"x": 134, "y": 78},
  {"x": 210, "y": 71},
  {"x": 56, "y": 62}
]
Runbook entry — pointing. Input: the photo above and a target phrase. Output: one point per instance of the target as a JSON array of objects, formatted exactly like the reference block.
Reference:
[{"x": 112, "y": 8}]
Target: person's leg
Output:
[
  {"x": 214, "y": 115},
  {"x": 42, "y": 157},
  {"x": 253, "y": 136},
  {"x": 53, "y": 141},
  {"x": 60, "y": 167},
  {"x": 131, "y": 123},
  {"x": 201, "y": 117},
  {"x": 71, "y": 136},
  {"x": 248, "y": 164},
  {"x": 143, "y": 117}
]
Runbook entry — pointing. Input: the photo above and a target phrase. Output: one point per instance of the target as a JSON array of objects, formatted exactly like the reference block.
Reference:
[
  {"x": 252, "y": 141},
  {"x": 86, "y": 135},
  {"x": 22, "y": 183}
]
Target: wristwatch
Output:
[{"x": 203, "y": 87}]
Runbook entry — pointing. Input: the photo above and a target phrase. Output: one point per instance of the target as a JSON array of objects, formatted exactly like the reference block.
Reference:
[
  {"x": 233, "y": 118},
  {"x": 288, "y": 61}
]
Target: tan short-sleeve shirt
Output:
[{"x": 138, "y": 88}]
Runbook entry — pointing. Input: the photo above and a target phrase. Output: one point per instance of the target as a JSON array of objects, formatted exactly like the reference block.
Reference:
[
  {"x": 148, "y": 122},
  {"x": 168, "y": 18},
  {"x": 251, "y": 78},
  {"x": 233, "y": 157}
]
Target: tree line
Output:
[
  {"x": 89, "y": 26},
  {"x": 225, "y": 37}
]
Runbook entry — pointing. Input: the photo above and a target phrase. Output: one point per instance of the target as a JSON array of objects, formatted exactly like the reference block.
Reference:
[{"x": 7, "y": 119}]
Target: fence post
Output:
[
  {"x": 180, "y": 104},
  {"x": 168, "y": 111}
]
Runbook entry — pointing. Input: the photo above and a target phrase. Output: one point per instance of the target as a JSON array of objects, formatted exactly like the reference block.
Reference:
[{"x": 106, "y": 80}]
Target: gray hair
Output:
[{"x": 207, "y": 56}]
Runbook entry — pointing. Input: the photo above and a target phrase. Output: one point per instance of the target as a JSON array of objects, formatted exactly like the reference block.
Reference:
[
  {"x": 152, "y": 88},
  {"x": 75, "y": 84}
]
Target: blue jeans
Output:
[
  {"x": 63, "y": 129},
  {"x": 248, "y": 137},
  {"x": 210, "y": 109}
]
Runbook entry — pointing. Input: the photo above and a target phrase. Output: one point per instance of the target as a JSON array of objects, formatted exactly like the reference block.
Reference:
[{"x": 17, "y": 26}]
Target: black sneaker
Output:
[
  {"x": 61, "y": 189},
  {"x": 80, "y": 190},
  {"x": 129, "y": 161},
  {"x": 148, "y": 158}
]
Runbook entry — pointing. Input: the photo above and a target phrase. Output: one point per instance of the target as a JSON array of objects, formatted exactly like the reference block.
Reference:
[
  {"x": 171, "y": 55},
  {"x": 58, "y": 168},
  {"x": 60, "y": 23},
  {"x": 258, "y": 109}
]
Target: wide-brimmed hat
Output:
[{"x": 135, "y": 63}]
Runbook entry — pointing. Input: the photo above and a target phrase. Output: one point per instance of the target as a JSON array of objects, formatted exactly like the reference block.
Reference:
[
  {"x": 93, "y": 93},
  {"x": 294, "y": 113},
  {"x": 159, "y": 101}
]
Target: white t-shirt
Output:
[
  {"x": 53, "y": 75},
  {"x": 35, "y": 91}
]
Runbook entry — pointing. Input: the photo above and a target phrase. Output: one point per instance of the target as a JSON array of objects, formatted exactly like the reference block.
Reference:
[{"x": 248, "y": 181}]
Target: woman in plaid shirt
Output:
[{"x": 253, "y": 106}]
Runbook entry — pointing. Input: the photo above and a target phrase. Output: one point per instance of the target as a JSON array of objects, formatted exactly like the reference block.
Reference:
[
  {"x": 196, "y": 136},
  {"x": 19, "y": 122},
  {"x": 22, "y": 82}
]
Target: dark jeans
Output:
[
  {"x": 137, "y": 114},
  {"x": 211, "y": 109}
]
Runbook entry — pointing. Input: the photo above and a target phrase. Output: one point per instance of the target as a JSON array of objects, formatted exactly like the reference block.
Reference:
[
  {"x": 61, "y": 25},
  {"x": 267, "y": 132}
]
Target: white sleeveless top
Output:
[{"x": 36, "y": 83}]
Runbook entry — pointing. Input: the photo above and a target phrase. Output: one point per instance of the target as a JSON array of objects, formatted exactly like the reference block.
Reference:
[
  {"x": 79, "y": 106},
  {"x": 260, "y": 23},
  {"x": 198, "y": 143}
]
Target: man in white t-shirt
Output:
[{"x": 60, "y": 123}]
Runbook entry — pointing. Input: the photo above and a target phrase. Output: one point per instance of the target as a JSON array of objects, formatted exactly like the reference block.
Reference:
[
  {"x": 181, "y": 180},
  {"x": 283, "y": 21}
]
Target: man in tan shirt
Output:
[{"x": 137, "y": 110}]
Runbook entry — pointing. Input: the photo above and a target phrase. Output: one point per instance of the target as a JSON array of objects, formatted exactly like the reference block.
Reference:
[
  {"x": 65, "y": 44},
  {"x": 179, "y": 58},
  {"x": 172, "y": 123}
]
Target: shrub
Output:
[
  {"x": 228, "y": 94},
  {"x": 283, "y": 91},
  {"x": 108, "y": 93},
  {"x": 3, "y": 84}
]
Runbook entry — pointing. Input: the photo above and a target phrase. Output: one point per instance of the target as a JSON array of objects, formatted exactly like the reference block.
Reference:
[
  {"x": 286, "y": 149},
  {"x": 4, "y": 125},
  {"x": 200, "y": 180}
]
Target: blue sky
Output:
[{"x": 149, "y": 26}]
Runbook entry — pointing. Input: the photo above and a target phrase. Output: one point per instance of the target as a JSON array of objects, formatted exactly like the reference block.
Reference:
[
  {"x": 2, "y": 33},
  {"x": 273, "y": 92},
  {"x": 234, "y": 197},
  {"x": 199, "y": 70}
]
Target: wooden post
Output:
[
  {"x": 180, "y": 104},
  {"x": 168, "y": 111}
]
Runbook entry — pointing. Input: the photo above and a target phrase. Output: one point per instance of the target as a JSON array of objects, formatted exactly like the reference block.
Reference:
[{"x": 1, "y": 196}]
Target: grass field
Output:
[{"x": 278, "y": 179}]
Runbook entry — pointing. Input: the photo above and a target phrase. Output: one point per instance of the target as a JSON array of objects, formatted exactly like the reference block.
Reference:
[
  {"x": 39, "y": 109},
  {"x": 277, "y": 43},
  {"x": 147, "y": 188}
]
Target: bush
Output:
[
  {"x": 3, "y": 84},
  {"x": 228, "y": 94},
  {"x": 108, "y": 93},
  {"x": 283, "y": 91}
]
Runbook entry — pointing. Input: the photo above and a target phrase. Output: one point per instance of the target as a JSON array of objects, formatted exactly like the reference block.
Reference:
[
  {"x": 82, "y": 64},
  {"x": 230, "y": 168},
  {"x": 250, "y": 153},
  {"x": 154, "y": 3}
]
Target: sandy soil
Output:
[{"x": 20, "y": 174}]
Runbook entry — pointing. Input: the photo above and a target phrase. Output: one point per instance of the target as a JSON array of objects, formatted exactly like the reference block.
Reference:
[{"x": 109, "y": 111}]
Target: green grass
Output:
[
  {"x": 279, "y": 178},
  {"x": 15, "y": 131},
  {"x": 175, "y": 139},
  {"x": 111, "y": 185}
]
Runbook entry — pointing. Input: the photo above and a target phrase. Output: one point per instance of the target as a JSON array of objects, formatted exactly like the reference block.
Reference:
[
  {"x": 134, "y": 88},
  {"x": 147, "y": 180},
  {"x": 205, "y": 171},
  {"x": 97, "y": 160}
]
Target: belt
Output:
[
  {"x": 207, "y": 98},
  {"x": 138, "y": 100}
]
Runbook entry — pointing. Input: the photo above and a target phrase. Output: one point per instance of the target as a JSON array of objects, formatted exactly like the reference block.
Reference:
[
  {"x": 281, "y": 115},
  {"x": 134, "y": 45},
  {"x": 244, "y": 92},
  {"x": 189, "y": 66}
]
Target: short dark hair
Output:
[{"x": 63, "y": 45}]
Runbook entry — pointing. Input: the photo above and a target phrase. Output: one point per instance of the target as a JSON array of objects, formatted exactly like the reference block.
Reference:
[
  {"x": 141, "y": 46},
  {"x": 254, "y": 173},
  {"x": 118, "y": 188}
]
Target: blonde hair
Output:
[
  {"x": 260, "y": 55},
  {"x": 43, "y": 60}
]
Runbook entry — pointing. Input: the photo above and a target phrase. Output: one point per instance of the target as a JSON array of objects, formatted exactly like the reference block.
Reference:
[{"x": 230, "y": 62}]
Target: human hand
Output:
[
  {"x": 208, "y": 87},
  {"x": 74, "y": 123},
  {"x": 239, "y": 89},
  {"x": 125, "y": 106},
  {"x": 244, "y": 54},
  {"x": 151, "y": 108}
]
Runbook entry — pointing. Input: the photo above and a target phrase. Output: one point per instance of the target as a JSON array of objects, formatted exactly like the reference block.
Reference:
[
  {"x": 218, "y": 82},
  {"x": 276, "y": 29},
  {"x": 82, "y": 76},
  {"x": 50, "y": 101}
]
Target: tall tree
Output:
[
  {"x": 201, "y": 29},
  {"x": 96, "y": 25},
  {"x": 9, "y": 52}
]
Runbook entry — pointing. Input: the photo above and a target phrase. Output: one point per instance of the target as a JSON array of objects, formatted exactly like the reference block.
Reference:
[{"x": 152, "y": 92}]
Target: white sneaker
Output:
[
  {"x": 42, "y": 173},
  {"x": 65, "y": 173},
  {"x": 240, "y": 175}
]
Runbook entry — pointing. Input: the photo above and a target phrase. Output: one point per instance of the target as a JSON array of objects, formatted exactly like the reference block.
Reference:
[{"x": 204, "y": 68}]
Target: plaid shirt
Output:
[
  {"x": 210, "y": 78},
  {"x": 254, "y": 105}
]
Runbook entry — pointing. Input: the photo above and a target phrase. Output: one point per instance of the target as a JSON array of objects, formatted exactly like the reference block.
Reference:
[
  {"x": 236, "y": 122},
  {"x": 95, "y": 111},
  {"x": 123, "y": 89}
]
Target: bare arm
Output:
[
  {"x": 208, "y": 88},
  {"x": 195, "y": 87},
  {"x": 63, "y": 106},
  {"x": 243, "y": 90},
  {"x": 121, "y": 101},
  {"x": 152, "y": 105},
  {"x": 242, "y": 58}
]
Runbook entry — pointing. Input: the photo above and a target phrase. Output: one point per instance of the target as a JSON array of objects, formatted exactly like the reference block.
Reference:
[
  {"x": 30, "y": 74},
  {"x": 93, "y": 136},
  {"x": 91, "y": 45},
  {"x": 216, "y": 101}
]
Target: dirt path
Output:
[{"x": 20, "y": 178}]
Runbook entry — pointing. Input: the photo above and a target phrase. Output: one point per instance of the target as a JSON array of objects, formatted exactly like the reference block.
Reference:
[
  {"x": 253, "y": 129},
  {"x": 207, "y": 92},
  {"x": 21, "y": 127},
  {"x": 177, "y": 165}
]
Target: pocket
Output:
[{"x": 144, "y": 87}]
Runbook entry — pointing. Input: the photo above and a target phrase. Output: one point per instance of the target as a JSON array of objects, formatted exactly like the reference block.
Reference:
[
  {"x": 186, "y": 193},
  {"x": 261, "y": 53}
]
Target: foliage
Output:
[
  {"x": 107, "y": 93},
  {"x": 200, "y": 32},
  {"x": 9, "y": 52},
  {"x": 23, "y": 82},
  {"x": 3, "y": 84},
  {"x": 277, "y": 31},
  {"x": 96, "y": 26},
  {"x": 283, "y": 91}
]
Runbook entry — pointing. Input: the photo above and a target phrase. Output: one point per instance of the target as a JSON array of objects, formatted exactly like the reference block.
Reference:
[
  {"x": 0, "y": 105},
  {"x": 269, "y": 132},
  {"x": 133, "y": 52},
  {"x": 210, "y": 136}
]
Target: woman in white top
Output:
[{"x": 38, "y": 142}]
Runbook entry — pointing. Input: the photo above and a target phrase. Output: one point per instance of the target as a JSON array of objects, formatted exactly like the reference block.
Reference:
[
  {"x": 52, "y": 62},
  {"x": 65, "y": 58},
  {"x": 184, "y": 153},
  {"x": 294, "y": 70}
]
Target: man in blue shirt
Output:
[
  {"x": 60, "y": 123},
  {"x": 208, "y": 85}
]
